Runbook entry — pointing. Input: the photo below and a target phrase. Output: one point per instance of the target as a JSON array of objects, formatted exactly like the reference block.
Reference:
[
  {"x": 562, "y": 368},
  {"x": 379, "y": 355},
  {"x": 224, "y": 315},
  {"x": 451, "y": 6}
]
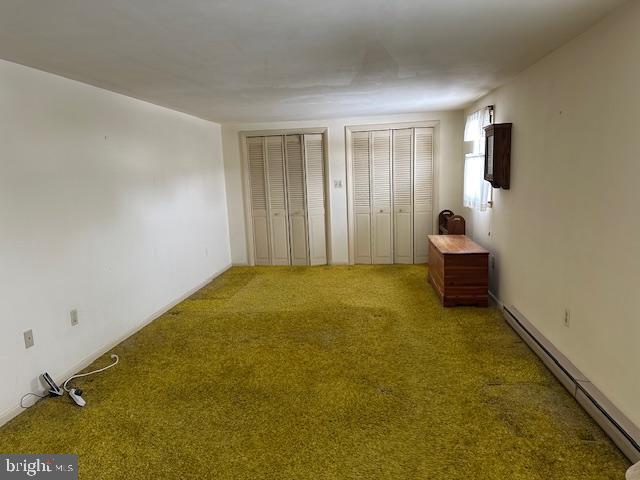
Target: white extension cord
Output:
[
  {"x": 71, "y": 391},
  {"x": 113, "y": 357}
]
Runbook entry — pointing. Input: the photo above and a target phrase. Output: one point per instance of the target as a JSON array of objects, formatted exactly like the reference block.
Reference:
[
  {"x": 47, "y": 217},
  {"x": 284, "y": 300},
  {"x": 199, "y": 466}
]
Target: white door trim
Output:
[
  {"x": 246, "y": 187},
  {"x": 349, "y": 129}
]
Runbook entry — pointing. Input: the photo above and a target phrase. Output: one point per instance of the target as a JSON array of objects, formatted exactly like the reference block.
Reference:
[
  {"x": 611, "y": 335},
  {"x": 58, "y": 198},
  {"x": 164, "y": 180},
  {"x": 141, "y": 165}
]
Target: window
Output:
[{"x": 476, "y": 189}]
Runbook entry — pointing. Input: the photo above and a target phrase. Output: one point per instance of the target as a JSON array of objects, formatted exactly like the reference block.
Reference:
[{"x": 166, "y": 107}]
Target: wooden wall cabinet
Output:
[{"x": 497, "y": 155}]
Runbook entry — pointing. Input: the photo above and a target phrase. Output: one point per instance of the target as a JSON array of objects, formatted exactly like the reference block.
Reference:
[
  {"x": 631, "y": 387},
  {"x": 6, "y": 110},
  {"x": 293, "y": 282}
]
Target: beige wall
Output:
[
  {"x": 108, "y": 205},
  {"x": 567, "y": 233},
  {"x": 449, "y": 171}
]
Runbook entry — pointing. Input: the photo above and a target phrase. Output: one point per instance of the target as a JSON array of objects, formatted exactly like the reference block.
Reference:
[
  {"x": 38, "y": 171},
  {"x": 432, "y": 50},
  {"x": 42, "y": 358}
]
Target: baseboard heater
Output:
[{"x": 622, "y": 431}]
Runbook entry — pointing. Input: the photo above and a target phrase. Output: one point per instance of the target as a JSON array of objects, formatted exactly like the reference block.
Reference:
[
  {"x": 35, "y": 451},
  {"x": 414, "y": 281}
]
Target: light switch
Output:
[
  {"x": 28, "y": 339},
  {"x": 74, "y": 317}
]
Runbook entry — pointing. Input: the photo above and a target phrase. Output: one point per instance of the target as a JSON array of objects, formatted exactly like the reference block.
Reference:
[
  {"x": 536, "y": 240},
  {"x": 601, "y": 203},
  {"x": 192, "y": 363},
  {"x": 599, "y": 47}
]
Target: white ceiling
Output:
[{"x": 263, "y": 60}]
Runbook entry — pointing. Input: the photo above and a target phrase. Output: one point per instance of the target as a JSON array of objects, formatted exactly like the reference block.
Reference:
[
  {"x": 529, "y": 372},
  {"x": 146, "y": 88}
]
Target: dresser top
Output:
[{"x": 456, "y": 244}]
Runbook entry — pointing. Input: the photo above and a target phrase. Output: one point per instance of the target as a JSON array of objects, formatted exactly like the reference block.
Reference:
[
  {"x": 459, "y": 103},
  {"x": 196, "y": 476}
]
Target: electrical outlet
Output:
[
  {"x": 28, "y": 339},
  {"x": 74, "y": 317},
  {"x": 337, "y": 184},
  {"x": 567, "y": 318}
]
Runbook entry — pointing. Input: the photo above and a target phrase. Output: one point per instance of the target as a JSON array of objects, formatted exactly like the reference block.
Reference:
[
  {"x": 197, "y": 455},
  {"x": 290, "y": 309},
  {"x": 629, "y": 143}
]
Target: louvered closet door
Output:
[
  {"x": 314, "y": 178},
  {"x": 259, "y": 217},
  {"x": 382, "y": 231},
  {"x": 361, "y": 153},
  {"x": 277, "y": 201},
  {"x": 297, "y": 200},
  {"x": 403, "y": 196},
  {"x": 422, "y": 192}
]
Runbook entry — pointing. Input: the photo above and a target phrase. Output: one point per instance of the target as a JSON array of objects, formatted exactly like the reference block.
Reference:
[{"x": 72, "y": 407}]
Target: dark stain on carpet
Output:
[{"x": 322, "y": 373}]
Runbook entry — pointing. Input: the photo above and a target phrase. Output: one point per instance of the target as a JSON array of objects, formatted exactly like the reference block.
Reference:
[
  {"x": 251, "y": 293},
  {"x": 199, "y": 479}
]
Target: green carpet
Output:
[{"x": 322, "y": 373}]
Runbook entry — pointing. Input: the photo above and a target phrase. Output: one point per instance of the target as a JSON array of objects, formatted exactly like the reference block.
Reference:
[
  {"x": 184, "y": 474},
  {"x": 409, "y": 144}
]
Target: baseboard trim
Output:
[
  {"x": 241, "y": 264},
  {"x": 85, "y": 362},
  {"x": 624, "y": 433},
  {"x": 496, "y": 300}
]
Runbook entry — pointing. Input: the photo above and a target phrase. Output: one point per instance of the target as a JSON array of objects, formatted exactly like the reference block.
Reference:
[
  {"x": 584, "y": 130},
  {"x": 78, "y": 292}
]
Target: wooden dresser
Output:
[{"x": 458, "y": 270}]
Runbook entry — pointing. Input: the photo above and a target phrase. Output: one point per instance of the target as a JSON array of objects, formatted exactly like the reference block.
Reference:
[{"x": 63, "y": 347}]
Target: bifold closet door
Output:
[
  {"x": 403, "y": 196},
  {"x": 361, "y": 153},
  {"x": 314, "y": 179},
  {"x": 296, "y": 190},
  {"x": 422, "y": 192},
  {"x": 382, "y": 231},
  {"x": 259, "y": 212},
  {"x": 277, "y": 194}
]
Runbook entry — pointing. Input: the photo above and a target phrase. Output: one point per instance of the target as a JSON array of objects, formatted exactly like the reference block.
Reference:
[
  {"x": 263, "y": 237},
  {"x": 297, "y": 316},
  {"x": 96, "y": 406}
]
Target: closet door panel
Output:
[
  {"x": 299, "y": 251},
  {"x": 258, "y": 193},
  {"x": 403, "y": 238},
  {"x": 383, "y": 248},
  {"x": 360, "y": 154},
  {"x": 363, "y": 237},
  {"x": 315, "y": 180},
  {"x": 297, "y": 200},
  {"x": 382, "y": 201},
  {"x": 280, "y": 232},
  {"x": 423, "y": 192},
  {"x": 421, "y": 223},
  {"x": 261, "y": 240},
  {"x": 403, "y": 195},
  {"x": 277, "y": 201},
  {"x": 318, "y": 245}
]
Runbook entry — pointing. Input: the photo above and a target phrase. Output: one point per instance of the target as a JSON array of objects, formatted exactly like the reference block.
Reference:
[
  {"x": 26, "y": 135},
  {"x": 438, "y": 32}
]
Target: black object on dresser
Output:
[{"x": 450, "y": 224}]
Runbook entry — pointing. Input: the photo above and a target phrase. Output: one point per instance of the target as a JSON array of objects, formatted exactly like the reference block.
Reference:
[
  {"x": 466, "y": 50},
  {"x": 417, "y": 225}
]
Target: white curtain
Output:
[{"x": 476, "y": 189}]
